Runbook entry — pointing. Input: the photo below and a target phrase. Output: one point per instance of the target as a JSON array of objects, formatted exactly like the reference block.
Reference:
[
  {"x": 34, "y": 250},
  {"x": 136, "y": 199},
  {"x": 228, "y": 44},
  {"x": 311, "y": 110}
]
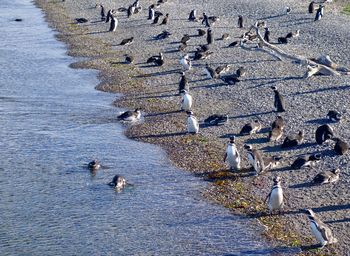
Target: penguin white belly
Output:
[
  {"x": 276, "y": 199},
  {"x": 209, "y": 76},
  {"x": 233, "y": 157},
  {"x": 251, "y": 160},
  {"x": 317, "y": 234},
  {"x": 192, "y": 125},
  {"x": 186, "y": 102},
  {"x": 185, "y": 64}
]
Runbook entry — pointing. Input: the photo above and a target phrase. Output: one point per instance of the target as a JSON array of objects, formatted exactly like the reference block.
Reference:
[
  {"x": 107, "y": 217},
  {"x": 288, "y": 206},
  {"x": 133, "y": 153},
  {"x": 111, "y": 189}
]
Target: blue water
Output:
[{"x": 53, "y": 123}]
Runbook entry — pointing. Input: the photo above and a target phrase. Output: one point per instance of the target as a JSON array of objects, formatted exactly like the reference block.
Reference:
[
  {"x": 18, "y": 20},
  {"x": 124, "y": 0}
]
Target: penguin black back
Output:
[
  {"x": 278, "y": 100},
  {"x": 323, "y": 133},
  {"x": 210, "y": 38}
]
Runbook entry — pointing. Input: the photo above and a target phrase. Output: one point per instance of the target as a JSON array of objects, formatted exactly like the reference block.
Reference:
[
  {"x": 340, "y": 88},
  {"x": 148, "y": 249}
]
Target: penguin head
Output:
[
  {"x": 232, "y": 139},
  {"x": 277, "y": 180},
  {"x": 137, "y": 110},
  {"x": 309, "y": 212},
  {"x": 274, "y": 88},
  {"x": 315, "y": 157},
  {"x": 189, "y": 113},
  {"x": 248, "y": 147},
  {"x": 183, "y": 91},
  {"x": 336, "y": 171}
]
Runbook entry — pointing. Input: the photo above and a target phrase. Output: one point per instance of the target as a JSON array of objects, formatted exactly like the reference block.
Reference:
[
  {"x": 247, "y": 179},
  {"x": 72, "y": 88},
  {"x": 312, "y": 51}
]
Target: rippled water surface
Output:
[{"x": 52, "y": 123}]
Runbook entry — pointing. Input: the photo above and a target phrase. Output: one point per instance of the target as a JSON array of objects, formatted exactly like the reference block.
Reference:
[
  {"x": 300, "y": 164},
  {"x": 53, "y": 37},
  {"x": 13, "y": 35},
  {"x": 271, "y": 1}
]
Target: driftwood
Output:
[{"x": 320, "y": 66}]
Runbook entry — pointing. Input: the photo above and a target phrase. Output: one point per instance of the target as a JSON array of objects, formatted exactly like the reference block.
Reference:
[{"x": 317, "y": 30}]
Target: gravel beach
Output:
[{"x": 154, "y": 89}]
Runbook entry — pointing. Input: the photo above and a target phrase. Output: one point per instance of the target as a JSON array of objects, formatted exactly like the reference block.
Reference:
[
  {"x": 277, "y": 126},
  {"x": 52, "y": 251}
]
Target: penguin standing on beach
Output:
[
  {"x": 151, "y": 13},
  {"x": 278, "y": 100},
  {"x": 232, "y": 156},
  {"x": 192, "y": 123},
  {"x": 323, "y": 133},
  {"x": 240, "y": 21},
  {"x": 293, "y": 141},
  {"x": 275, "y": 197},
  {"x": 205, "y": 20},
  {"x": 109, "y": 14},
  {"x": 193, "y": 15},
  {"x": 319, "y": 13},
  {"x": 103, "y": 15},
  {"x": 255, "y": 159},
  {"x": 114, "y": 24},
  {"x": 186, "y": 102},
  {"x": 210, "y": 38},
  {"x": 267, "y": 35},
  {"x": 183, "y": 84},
  {"x": 312, "y": 7},
  {"x": 186, "y": 63},
  {"x": 130, "y": 115},
  {"x": 165, "y": 20},
  {"x": 320, "y": 230}
]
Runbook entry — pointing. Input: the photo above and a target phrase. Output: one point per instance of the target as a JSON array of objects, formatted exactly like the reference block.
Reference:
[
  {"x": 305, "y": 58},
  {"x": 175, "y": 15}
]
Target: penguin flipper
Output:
[
  {"x": 225, "y": 157},
  {"x": 327, "y": 234},
  {"x": 268, "y": 196}
]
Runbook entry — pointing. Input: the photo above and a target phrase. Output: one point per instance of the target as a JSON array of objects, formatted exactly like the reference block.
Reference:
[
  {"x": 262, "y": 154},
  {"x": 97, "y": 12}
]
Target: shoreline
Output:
[{"x": 164, "y": 126}]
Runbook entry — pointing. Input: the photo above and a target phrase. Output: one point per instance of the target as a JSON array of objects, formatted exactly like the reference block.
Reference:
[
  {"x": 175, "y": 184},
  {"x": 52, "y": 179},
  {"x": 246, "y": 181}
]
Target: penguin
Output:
[
  {"x": 232, "y": 156},
  {"x": 334, "y": 116},
  {"x": 186, "y": 62},
  {"x": 210, "y": 38},
  {"x": 225, "y": 36},
  {"x": 318, "y": 14},
  {"x": 312, "y": 7},
  {"x": 103, "y": 16},
  {"x": 156, "y": 19},
  {"x": 292, "y": 141},
  {"x": 271, "y": 162},
  {"x": 205, "y": 20},
  {"x": 216, "y": 119},
  {"x": 136, "y": 4},
  {"x": 118, "y": 183},
  {"x": 131, "y": 10},
  {"x": 277, "y": 128},
  {"x": 127, "y": 41},
  {"x": 185, "y": 39},
  {"x": 278, "y": 101},
  {"x": 94, "y": 165},
  {"x": 255, "y": 159},
  {"x": 114, "y": 24},
  {"x": 210, "y": 72},
  {"x": 293, "y": 34},
  {"x": 192, "y": 123},
  {"x": 287, "y": 10},
  {"x": 282, "y": 40},
  {"x": 222, "y": 69},
  {"x": 241, "y": 71},
  {"x": 201, "y": 32},
  {"x": 320, "y": 230},
  {"x": 240, "y": 21},
  {"x": 129, "y": 59},
  {"x": 267, "y": 35},
  {"x": 186, "y": 102},
  {"x": 199, "y": 55},
  {"x": 251, "y": 128},
  {"x": 213, "y": 19},
  {"x": 275, "y": 197},
  {"x": 230, "y": 79},
  {"x": 340, "y": 147},
  {"x": 306, "y": 161},
  {"x": 165, "y": 20},
  {"x": 160, "y": 60},
  {"x": 183, "y": 84},
  {"x": 327, "y": 177},
  {"x": 151, "y": 13},
  {"x": 109, "y": 14},
  {"x": 321, "y": 7},
  {"x": 233, "y": 44},
  {"x": 130, "y": 115},
  {"x": 193, "y": 15},
  {"x": 323, "y": 133}
]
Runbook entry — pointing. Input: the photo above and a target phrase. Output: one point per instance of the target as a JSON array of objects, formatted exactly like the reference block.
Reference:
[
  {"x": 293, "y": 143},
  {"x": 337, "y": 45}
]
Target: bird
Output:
[
  {"x": 287, "y": 10},
  {"x": 267, "y": 35},
  {"x": 311, "y": 8},
  {"x": 240, "y": 21},
  {"x": 200, "y": 55},
  {"x": 210, "y": 72},
  {"x": 225, "y": 36},
  {"x": 165, "y": 20},
  {"x": 94, "y": 165},
  {"x": 192, "y": 123},
  {"x": 165, "y": 34},
  {"x": 129, "y": 59},
  {"x": 127, "y": 41},
  {"x": 210, "y": 38},
  {"x": 255, "y": 159},
  {"x": 340, "y": 147},
  {"x": 275, "y": 197},
  {"x": 81, "y": 20},
  {"x": 230, "y": 79},
  {"x": 186, "y": 63},
  {"x": 334, "y": 116},
  {"x": 103, "y": 16},
  {"x": 183, "y": 84},
  {"x": 271, "y": 162},
  {"x": 282, "y": 40},
  {"x": 192, "y": 16},
  {"x": 216, "y": 119},
  {"x": 292, "y": 141},
  {"x": 277, "y": 128},
  {"x": 293, "y": 34},
  {"x": 323, "y": 133},
  {"x": 320, "y": 230},
  {"x": 327, "y": 177},
  {"x": 306, "y": 161},
  {"x": 130, "y": 115},
  {"x": 151, "y": 13},
  {"x": 251, "y": 128},
  {"x": 319, "y": 13},
  {"x": 233, "y": 44},
  {"x": 232, "y": 155},
  {"x": 241, "y": 71},
  {"x": 109, "y": 14},
  {"x": 114, "y": 24},
  {"x": 118, "y": 182},
  {"x": 278, "y": 100},
  {"x": 222, "y": 69},
  {"x": 205, "y": 20},
  {"x": 160, "y": 60},
  {"x": 201, "y": 32},
  {"x": 185, "y": 39},
  {"x": 186, "y": 102}
]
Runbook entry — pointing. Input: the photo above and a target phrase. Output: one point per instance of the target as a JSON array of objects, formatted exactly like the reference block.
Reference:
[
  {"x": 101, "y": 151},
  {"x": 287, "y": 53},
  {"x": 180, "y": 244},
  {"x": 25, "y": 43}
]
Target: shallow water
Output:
[{"x": 53, "y": 123}]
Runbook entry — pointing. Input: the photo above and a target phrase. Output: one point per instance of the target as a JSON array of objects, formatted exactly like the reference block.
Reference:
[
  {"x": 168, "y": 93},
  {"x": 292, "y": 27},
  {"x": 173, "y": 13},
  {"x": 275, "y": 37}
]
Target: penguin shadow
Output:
[
  {"x": 332, "y": 208},
  {"x": 278, "y": 250},
  {"x": 281, "y": 169},
  {"x": 251, "y": 115},
  {"x": 157, "y": 96},
  {"x": 212, "y": 86},
  {"x": 337, "y": 221},
  {"x": 162, "y": 73},
  {"x": 310, "y": 247},
  {"x": 164, "y": 113},
  {"x": 275, "y": 80},
  {"x": 256, "y": 140},
  {"x": 302, "y": 185},
  {"x": 164, "y": 135},
  {"x": 328, "y": 152},
  {"x": 271, "y": 17},
  {"x": 334, "y": 88},
  {"x": 319, "y": 121},
  {"x": 97, "y": 32}
]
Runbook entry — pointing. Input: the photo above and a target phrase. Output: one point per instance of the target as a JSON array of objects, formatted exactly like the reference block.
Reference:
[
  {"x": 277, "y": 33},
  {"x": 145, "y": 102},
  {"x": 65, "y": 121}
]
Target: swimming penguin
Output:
[
  {"x": 334, "y": 116},
  {"x": 278, "y": 101},
  {"x": 277, "y": 128},
  {"x": 165, "y": 20},
  {"x": 216, "y": 119},
  {"x": 230, "y": 79},
  {"x": 94, "y": 165},
  {"x": 312, "y": 7},
  {"x": 186, "y": 102},
  {"x": 103, "y": 16},
  {"x": 340, "y": 147},
  {"x": 192, "y": 16},
  {"x": 127, "y": 41},
  {"x": 210, "y": 72},
  {"x": 114, "y": 24},
  {"x": 275, "y": 197},
  {"x": 240, "y": 21},
  {"x": 205, "y": 20},
  {"x": 320, "y": 230},
  {"x": 251, "y": 128},
  {"x": 306, "y": 161},
  {"x": 327, "y": 177},
  {"x": 192, "y": 123},
  {"x": 129, "y": 59},
  {"x": 151, "y": 13},
  {"x": 255, "y": 159},
  {"x": 130, "y": 115},
  {"x": 210, "y": 38},
  {"x": 323, "y": 133},
  {"x": 186, "y": 63},
  {"x": 232, "y": 156},
  {"x": 118, "y": 182},
  {"x": 267, "y": 35},
  {"x": 292, "y": 141},
  {"x": 183, "y": 84},
  {"x": 222, "y": 69},
  {"x": 241, "y": 71},
  {"x": 201, "y": 32}
]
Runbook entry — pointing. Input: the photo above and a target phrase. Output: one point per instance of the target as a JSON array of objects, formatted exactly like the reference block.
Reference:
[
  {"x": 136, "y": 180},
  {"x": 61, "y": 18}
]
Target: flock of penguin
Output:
[{"x": 259, "y": 162}]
